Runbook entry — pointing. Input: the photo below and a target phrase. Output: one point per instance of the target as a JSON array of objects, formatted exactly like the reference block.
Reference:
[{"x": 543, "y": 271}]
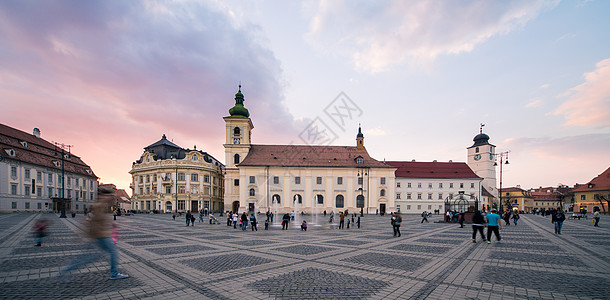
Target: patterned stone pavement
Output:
[{"x": 167, "y": 260}]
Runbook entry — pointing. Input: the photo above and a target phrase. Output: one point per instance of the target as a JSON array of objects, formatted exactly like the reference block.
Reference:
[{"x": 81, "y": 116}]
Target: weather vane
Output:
[{"x": 481, "y": 129}]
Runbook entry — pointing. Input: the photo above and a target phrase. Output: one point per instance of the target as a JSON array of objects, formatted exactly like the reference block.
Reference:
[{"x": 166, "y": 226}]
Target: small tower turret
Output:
[{"x": 360, "y": 138}]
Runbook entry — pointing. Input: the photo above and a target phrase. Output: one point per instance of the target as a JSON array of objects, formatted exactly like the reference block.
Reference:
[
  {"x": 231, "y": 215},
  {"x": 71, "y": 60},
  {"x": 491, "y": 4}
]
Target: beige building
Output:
[
  {"x": 168, "y": 178},
  {"x": 301, "y": 178}
]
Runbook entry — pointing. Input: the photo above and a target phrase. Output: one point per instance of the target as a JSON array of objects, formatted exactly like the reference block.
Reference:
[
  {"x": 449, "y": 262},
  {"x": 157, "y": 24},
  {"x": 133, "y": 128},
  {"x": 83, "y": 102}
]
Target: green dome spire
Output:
[{"x": 239, "y": 110}]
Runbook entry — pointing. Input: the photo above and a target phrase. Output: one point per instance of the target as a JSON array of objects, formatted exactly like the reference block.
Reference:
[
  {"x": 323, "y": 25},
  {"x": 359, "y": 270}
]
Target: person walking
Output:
[
  {"x": 596, "y": 218},
  {"x": 40, "y": 230},
  {"x": 397, "y": 220},
  {"x": 99, "y": 231},
  {"x": 506, "y": 218},
  {"x": 461, "y": 219},
  {"x": 201, "y": 213},
  {"x": 229, "y": 218},
  {"x": 515, "y": 218},
  {"x": 235, "y": 219},
  {"x": 478, "y": 223},
  {"x": 253, "y": 222},
  {"x": 358, "y": 222},
  {"x": 424, "y": 217},
  {"x": 332, "y": 217},
  {"x": 174, "y": 217},
  {"x": 558, "y": 218},
  {"x": 285, "y": 221},
  {"x": 304, "y": 226},
  {"x": 341, "y": 220},
  {"x": 188, "y": 217},
  {"x": 493, "y": 225},
  {"x": 244, "y": 221}
]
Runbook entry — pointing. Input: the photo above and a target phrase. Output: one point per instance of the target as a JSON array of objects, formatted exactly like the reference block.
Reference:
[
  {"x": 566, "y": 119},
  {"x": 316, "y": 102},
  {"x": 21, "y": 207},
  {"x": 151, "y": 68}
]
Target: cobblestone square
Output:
[{"x": 167, "y": 260}]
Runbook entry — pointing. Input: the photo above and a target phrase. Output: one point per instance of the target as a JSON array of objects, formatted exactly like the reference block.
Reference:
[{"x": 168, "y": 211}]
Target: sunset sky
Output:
[{"x": 111, "y": 77}]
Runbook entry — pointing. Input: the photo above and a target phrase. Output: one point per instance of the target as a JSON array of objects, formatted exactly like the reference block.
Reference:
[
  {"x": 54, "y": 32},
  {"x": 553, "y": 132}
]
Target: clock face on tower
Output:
[
  {"x": 477, "y": 157},
  {"x": 236, "y": 141}
]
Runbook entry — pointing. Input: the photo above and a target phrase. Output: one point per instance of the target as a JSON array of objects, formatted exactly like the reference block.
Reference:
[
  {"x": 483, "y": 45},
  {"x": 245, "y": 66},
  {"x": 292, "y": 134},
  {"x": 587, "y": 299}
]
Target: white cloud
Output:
[
  {"x": 377, "y": 131},
  {"x": 380, "y": 34},
  {"x": 534, "y": 102},
  {"x": 545, "y": 86},
  {"x": 588, "y": 104}
]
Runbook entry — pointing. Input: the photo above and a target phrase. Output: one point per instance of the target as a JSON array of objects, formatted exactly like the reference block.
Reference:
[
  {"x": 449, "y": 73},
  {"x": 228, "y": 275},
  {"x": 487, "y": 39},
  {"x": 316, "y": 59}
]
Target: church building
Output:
[{"x": 301, "y": 178}]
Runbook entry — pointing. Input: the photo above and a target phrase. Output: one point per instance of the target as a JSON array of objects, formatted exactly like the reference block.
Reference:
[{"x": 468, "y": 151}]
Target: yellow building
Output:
[
  {"x": 516, "y": 198},
  {"x": 594, "y": 195},
  {"x": 301, "y": 178},
  {"x": 168, "y": 178}
]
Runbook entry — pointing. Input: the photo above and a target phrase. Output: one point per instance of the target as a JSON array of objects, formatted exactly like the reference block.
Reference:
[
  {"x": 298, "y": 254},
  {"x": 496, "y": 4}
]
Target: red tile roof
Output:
[
  {"x": 599, "y": 183},
  {"x": 413, "y": 169},
  {"x": 309, "y": 156},
  {"x": 31, "y": 149}
]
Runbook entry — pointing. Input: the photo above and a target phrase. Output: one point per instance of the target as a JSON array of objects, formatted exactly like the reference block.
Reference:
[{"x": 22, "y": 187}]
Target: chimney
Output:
[{"x": 36, "y": 132}]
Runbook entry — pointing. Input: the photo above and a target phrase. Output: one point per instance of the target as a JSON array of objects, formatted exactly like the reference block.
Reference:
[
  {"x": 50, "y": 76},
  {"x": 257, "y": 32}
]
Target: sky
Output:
[{"x": 111, "y": 77}]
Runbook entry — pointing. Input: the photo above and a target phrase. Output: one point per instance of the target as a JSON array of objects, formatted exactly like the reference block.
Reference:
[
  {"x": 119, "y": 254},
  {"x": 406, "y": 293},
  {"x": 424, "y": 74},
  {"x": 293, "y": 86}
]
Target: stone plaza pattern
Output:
[{"x": 167, "y": 260}]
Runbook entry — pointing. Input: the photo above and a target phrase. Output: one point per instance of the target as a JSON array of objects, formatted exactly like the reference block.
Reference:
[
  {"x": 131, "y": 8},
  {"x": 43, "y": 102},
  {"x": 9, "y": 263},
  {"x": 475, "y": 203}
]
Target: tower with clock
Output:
[{"x": 481, "y": 161}]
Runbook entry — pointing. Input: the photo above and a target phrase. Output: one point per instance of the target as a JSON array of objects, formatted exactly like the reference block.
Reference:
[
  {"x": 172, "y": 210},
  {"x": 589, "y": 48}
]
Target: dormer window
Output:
[
  {"x": 66, "y": 156},
  {"x": 148, "y": 159},
  {"x": 57, "y": 163},
  {"x": 24, "y": 144},
  {"x": 590, "y": 185},
  {"x": 89, "y": 172},
  {"x": 195, "y": 158},
  {"x": 10, "y": 152},
  {"x": 359, "y": 160}
]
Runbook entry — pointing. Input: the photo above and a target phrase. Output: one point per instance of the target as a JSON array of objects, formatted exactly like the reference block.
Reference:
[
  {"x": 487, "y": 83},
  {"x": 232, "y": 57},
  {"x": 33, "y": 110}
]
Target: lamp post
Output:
[
  {"x": 501, "y": 155},
  {"x": 360, "y": 200},
  {"x": 63, "y": 178}
]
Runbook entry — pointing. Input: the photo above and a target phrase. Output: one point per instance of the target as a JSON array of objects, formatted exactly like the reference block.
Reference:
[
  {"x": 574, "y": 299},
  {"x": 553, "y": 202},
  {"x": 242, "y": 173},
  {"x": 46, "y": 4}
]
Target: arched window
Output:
[
  {"x": 298, "y": 198},
  {"x": 236, "y": 131},
  {"x": 382, "y": 193},
  {"x": 252, "y": 192},
  {"x": 275, "y": 199},
  {"x": 195, "y": 157},
  {"x": 339, "y": 201},
  {"x": 320, "y": 199},
  {"x": 476, "y": 150},
  {"x": 236, "y": 159}
]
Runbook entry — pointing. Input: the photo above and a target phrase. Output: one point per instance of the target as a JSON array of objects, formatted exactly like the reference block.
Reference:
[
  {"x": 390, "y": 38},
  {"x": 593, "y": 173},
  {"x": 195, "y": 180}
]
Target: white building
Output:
[
  {"x": 31, "y": 175},
  {"x": 302, "y": 178},
  {"x": 481, "y": 159},
  {"x": 425, "y": 186}
]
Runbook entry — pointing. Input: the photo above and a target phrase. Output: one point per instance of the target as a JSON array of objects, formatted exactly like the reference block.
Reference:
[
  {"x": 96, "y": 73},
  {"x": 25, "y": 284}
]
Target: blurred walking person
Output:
[
  {"x": 558, "y": 219},
  {"x": 478, "y": 223},
  {"x": 493, "y": 225}
]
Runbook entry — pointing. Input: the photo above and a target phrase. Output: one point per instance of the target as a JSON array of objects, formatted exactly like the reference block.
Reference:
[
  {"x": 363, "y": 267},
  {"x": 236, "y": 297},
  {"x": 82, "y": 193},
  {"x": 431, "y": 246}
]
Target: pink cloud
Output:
[
  {"x": 588, "y": 104},
  {"x": 110, "y": 77}
]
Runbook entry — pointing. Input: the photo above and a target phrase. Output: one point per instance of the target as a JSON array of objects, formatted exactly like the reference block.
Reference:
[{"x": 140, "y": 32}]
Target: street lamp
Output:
[
  {"x": 360, "y": 199},
  {"x": 63, "y": 178},
  {"x": 501, "y": 155}
]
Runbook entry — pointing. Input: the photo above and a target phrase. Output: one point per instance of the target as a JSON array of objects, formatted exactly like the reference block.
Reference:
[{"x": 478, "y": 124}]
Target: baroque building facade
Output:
[
  {"x": 482, "y": 160},
  {"x": 31, "y": 177},
  {"x": 169, "y": 178},
  {"x": 301, "y": 178}
]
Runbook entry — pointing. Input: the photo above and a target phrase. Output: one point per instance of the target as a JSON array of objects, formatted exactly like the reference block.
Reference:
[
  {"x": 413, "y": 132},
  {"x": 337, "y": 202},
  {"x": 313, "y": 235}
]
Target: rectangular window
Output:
[
  {"x": 50, "y": 191},
  {"x": 194, "y": 177},
  {"x": 440, "y": 185},
  {"x": 429, "y": 206},
  {"x": 582, "y": 197},
  {"x": 472, "y": 185},
  {"x": 194, "y": 190},
  {"x": 252, "y": 179},
  {"x": 419, "y": 185},
  {"x": 39, "y": 205},
  {"x": 13, "y": 172},
  {"x": 429, "y": 185},
  {"x": 147, "y": 190},
  {"x": 339, "y": 180},
  {"x": 26, "y": 190},
  {"x": 69, "y": 193},
  {"x": 398, "y": 184},
  {"x": 50, "y": 178},
  {"x": 206, "y": 178},
  {"x": 168, "y": 189},
  {"x": 382, "y": 180},
  {"x": 206, "y": 190},
  {"x": 440, "y": 207},
  {"x": 360, "y": 180},
  {"x": 39, "y": 176},
  {"x": 26, "y": 174},
  {"x": 181, "y": 176},
  {"x": 276, "y": 180},
  {"x": 419, "y": 196},
  {"x": 451, "y": 196},
  {"x": 181, "y": 189},
  {"x": 397, "y": 195},
  {"x": 408, "y": 207},
  {"x": 27, "y": 205},
  {"x": 69, "y": 181},
  {"x": 297, "y": 180},
  {"x": 14, "y": 205},
  {"x": 318, "y": 180},
  {"x": 91, "y": 196},
  {"x": 461, "y": 185},
  {"x": 397, "y": 207},
  {"x": 236, "y": 182},
  {"x": 419, "y": 207},
  {"x": 409, "y": 196},
  {"x": 440, "y": 196},
  {"x": 408, "y": 184},
  {"x": 39, "y": 191},
  {"x": 429, "y": 196},
  {"x": 451, "y": 185}
]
